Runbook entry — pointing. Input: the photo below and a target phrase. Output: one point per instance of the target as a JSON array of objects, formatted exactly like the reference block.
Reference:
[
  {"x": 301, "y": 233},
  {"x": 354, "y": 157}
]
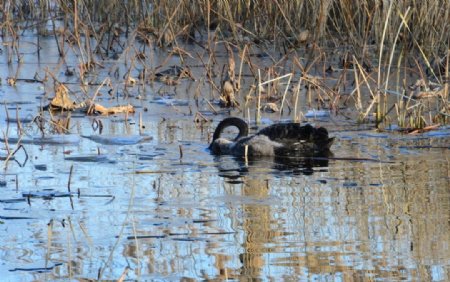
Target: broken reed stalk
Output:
[
  {"x": 69, "y": 253},
  {"x": 374, "y": 98},
  {"x": 70, "y": 177},
  {"x": 68, "y": 186},
  {"x": 285, "y": 92},
  {"x": 86, "y": 234},
  {"x": 383, "y": 37},
  {"x": 447, "y": 76},
  {"x": 6, "y": 112},
  {"x": 11, "y": 154},
  {"x": 60, "y": 48},
  {"x": 49, "y": 241},
  {"x": 92, "y": 100},
  {"x": 393, "y": 48},
  {"x": 246, "y": 154},
  {"x": 180, "y": 148},
  {"x": 391, "y": 58},
  {"x": 141, "y": 125},
  {"x": 246, "y": 108},
  {"x": 123, "y": 276},
  {"x": 258, "y": 105},
  {"x": 211, "y": 107},
  {"x": 297, "y": 94},
  {"x": 357, "y": 88},
  {"x": 8, "y": 150},
  {"x": 136, "y": 243},
  {"x": 241, "y": 66}
]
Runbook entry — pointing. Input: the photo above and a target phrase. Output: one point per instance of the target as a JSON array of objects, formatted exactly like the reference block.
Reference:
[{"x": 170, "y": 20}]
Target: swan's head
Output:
[{"x": 221, "y": 146}]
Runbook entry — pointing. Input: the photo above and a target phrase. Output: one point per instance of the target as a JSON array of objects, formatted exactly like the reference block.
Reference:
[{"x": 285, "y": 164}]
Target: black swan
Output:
[{"x": 282, "y": 139}]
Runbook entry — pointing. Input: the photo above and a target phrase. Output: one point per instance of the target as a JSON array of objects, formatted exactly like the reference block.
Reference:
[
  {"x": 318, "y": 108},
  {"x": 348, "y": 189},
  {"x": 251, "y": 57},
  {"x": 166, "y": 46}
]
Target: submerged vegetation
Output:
[{"x": 389, "y": 60}]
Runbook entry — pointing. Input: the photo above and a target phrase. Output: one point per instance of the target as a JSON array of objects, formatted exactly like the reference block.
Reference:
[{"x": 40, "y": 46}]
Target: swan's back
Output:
[
  {"x": 296, "y": 137},
  {"x": 287, "y": 131}
]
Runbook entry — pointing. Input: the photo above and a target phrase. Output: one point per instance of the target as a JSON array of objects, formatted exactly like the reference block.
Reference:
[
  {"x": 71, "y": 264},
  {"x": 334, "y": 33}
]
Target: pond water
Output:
[{"x": 378, "y": 209}]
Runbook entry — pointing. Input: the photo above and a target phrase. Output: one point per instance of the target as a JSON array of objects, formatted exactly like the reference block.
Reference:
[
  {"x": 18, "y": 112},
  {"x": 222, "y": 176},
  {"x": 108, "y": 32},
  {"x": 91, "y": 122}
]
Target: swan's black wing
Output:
[
  {"x": 288, "y": 131},
  {"x": 298, "y": 137}
]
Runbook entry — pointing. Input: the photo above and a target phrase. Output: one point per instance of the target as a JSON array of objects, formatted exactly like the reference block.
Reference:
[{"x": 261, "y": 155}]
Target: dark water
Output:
[{"x": 379, "y": 209}]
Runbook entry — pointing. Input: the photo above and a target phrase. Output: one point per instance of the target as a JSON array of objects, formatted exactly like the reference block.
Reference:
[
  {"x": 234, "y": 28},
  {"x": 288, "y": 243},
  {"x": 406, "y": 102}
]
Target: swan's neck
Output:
[{"x": 231, "y": 121}]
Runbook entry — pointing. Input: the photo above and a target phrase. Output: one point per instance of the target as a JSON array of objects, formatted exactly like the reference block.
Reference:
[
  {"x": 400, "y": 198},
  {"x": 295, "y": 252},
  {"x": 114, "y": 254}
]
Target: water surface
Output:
[{"x": 378, "y": 209}]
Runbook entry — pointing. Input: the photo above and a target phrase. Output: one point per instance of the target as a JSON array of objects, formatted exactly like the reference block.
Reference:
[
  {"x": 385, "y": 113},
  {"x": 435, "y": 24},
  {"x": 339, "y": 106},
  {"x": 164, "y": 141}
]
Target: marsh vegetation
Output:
[{"x": 108, "y": 108}]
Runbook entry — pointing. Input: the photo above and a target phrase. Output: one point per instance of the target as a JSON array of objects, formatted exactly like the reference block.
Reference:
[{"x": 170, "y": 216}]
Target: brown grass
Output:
[{"x": 378, "y": 43}]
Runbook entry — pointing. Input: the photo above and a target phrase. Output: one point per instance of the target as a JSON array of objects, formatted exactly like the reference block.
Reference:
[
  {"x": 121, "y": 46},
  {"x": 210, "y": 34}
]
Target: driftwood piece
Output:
[
  {"x": 97, "y": 108},
  {"x": 62, "y": 101}
]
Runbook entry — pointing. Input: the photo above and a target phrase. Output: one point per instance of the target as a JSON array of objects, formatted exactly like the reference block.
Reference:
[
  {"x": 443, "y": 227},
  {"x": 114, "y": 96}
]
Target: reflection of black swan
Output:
[{"x": 282, "y": 139}]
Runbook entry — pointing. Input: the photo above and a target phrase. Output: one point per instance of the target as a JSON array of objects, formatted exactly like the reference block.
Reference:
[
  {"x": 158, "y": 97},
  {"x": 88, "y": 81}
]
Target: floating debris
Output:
[
  {"x": 131, "y": 81},
  {"x": 118, "y": 139},
  {"x": 13, "y": 201},
  {"x": 15, "y": 217},
  {"x": 146, "y": 237},
  {"x": 62, "y": 101},
  {"x": 317, "y": 114},
  {"x": 63, "y": 139},
  {"x": 191, "y": 239},
  {"x": 99, "y": 109},
  {"x": 170, "y": 101},
  {"x": 47, "y": 194},
  {"x": 41, "y": 167},
  {"x": 270, "y": 108},
  {"x": 37, "y": 269},
  {"x": 173, "y": 75},
  {"x": 90, "y": 158},
  {"x": 11, "y": 81}
]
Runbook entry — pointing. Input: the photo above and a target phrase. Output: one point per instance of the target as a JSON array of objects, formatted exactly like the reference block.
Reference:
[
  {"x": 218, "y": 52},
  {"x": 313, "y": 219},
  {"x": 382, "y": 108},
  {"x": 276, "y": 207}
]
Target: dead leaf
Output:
[
  {"x": 303, "y": 36},
  {"x": 62, "y": 99},
  {"x": 11, "y": 81},
  {"x": 270, "y": 108},
  {"x": 227, "y": 98},
  {"x": 130, "y": 81}
]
